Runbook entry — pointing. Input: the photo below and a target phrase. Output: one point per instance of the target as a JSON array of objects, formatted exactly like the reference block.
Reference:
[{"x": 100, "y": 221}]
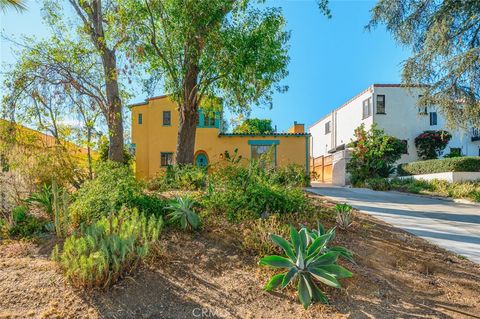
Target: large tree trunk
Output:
[
  {"x": 188, "y": 114},
  {"x": 114, "y": 116},
  {"x": 187, "y": 129}
]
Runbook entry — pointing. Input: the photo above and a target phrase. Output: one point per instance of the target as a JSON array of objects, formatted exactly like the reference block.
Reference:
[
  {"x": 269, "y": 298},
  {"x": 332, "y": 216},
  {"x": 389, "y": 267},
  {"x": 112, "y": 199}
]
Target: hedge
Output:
[{"x": 456, "y": 164}]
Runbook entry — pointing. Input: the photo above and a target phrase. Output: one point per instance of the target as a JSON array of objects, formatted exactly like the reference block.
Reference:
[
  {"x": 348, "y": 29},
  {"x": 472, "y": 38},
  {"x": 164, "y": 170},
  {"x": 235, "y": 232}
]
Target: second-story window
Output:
[
  {"x": 380, "y": 104},
  {"x": 167, "y": 118},
  {"x": 328, "y": 127},
  {"x": 140, "y": 118},
  {"x": 433, "y": 118},
  {"x": 366, "y": 109}
]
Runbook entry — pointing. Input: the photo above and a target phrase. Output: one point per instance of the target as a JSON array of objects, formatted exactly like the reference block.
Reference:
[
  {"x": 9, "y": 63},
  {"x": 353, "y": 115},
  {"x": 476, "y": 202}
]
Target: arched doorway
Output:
[{"x": 201, "y": 159}]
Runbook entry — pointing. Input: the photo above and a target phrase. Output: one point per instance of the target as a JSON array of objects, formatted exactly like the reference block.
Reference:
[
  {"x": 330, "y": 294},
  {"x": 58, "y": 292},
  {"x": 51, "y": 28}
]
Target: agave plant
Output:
[
  {"x": 182, "y": 211},
  {"x": 344, "y": 215},
  {"x": 308, "y": 262}
]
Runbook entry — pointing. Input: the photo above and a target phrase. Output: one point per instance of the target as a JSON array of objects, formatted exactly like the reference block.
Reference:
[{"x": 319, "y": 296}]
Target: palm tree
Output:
[{"x": 18, "y": 5}]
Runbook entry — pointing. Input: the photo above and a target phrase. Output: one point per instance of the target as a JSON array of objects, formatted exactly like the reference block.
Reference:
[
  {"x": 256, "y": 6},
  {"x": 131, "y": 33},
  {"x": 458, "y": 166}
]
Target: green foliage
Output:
[
  {"x": 378, "y": 184},
  {"x": 344, "y": 215},
  {"x": 22, "y": 224},
  {"x": 103, "y": 148},
  {"x": 180, "y": 177},
  {"x": 443, "y": 36},
  {"x": 111, "y": 247},
  {"x": 430, "y": 144},
  {"x": 245, "y": 191},
  {"x": 234, "y": 159},
  {"x": 183, "y": 212},
  {"x": 457, "y": 164},
  {"x": 113, "y": 187},
  {"x": 308, "y": 261},
  {"x": 290, "y": 175},
  {"x": 236, "y": 49},
  {"x": 44, "y": 199},
  {"x": 467, "y": 190},
  {"x": 61, "y": 213},
  {"x": 254, "y": 126},
  {"x": 454, "y": 153},
  {"x": 373, "y": 155}
]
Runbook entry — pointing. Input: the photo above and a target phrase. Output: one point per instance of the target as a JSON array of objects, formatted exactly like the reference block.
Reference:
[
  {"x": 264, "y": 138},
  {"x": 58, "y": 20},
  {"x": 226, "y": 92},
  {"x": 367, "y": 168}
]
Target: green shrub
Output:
[
  {"x": 114, "y": 186},
  {"x": 290, "y": 175},
  {"x": 23, "y": 224},
  {"x": 103, "y": 252},
  {"x": 467, "y": 190},
  {"x": 430, "y": 144},
  {"x": 184, "y": 177},
  {"x": 183, "y": 212},
  {"x": 456, "y": 164},
  {"x": 410, "y": 185},
  {"x": 373, "y": 154},
  {"x": 256, "y": 235},
  {"x": 378, "y": 184},
  {"x": 243, "y": 192},
  {"x": 309, "y": 262},
  {"x": 44, "y": 199}
]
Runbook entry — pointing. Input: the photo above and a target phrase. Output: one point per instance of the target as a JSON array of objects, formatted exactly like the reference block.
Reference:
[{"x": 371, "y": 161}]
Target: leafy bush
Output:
[
  {"x": 430, "y": 144},
  {"x": 467, "y": 190},
  {"x": 378, "y": 184},
  {"x": 308, "y": 262},
  {"x": 114, "y": 186},
  {"x": 373, "y": 154},
  {"x": 111, "y": 247},
  {"x": 22, "y": 224},
  {"x": 183, "y": 212},
  {"x": 456, "y": 164},
  {"x": 290, "y": 175},
  {"x": 250, "y": 191},
  {"x": 44, "y": 199},
  {"x": 410, "y": 185},
  {"x": 103, "y": 148},
  {"x": 344, "y": 215},
  {"x": 184, "y": 177},
  {"x": 256, "y": 235}
]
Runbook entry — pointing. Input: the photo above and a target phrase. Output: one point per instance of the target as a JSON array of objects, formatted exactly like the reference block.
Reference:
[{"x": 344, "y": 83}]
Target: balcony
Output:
[{"x": 475, "y": 134}]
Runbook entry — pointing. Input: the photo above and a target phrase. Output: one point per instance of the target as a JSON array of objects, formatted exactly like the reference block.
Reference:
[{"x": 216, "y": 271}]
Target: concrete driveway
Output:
[{"x": 453, "y": 226}]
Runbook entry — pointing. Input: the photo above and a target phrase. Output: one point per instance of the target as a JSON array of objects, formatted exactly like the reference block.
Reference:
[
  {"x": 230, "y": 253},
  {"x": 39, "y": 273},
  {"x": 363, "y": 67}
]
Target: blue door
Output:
[{"x": 201, "y": 160}]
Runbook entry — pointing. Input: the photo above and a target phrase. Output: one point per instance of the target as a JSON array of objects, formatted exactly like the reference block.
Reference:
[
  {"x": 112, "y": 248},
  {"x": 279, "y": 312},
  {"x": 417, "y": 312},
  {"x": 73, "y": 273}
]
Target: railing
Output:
[{"x": 475, "y": 134}]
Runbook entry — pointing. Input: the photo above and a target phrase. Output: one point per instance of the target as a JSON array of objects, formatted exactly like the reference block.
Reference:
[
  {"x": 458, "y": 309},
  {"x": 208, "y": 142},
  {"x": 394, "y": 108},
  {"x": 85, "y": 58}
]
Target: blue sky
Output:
[{"x": 331, "y": 59}]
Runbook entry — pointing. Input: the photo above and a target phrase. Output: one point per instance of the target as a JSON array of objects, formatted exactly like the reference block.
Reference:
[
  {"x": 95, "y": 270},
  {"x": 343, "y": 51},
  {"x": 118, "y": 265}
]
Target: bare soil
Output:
[{"x": 208, "y": 275}]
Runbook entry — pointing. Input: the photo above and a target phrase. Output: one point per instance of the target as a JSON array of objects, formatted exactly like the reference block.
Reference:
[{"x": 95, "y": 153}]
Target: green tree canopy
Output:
[
  {"x": 206, "y": 48},
  {"x": 254, "y": 126},
  {"x": 445, "y": 40}
]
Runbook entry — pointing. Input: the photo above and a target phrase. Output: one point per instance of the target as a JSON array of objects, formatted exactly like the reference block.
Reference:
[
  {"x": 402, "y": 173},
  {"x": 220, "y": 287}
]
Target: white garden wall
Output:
[{"x": 447, "y": 176}]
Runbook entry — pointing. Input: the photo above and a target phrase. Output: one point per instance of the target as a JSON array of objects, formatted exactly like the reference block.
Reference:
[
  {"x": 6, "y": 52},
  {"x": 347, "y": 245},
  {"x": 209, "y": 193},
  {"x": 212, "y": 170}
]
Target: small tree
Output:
[
  {"x": 430, "y": 144},
  {"x": 254, "y": 126},
  {"x": 373, "y": 155}
]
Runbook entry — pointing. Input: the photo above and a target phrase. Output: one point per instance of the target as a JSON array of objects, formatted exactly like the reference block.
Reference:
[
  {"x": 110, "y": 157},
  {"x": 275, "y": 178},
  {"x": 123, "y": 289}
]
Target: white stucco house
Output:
[{"x": 394, "y": 109}]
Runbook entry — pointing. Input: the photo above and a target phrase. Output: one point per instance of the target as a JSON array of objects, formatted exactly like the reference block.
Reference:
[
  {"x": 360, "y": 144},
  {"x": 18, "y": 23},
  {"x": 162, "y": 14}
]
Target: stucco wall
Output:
[
  {"x": 447, "y": 176},
  {"x": 403, "y": 121},
  {"x": 344, "y": 121},
  {"x": 152, "y": 138}
]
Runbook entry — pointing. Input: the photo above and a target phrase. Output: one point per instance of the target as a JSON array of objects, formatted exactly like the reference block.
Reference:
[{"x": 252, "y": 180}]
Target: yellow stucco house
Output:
[{"x": 154, "y": 139}]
